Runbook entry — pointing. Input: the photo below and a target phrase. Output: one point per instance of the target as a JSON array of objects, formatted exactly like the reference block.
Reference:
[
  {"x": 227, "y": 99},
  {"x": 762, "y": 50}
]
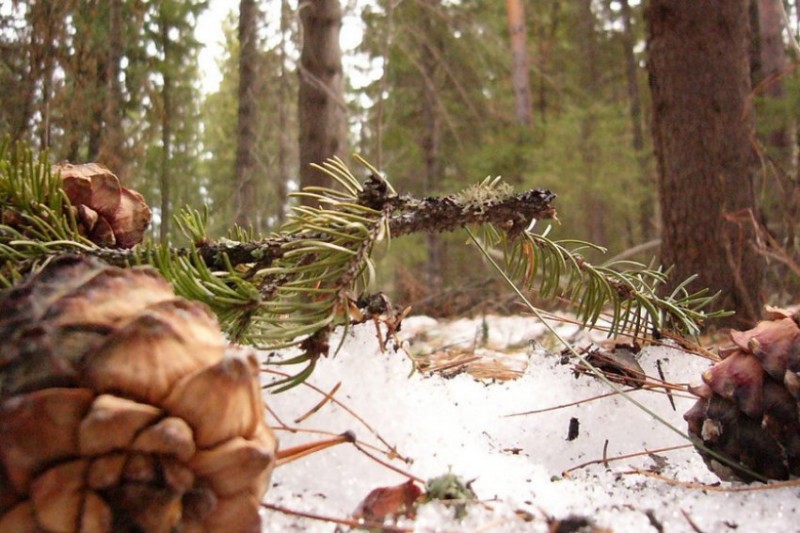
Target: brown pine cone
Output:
[
  {"x": 748, "y": 409},
  {"x": 108, "y": 214},
  {"x": 121, "y": 409}
]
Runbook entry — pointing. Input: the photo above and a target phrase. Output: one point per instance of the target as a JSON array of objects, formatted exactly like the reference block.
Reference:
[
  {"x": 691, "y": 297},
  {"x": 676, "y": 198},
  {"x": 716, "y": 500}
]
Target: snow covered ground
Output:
[{"x": 460, "y": 424}]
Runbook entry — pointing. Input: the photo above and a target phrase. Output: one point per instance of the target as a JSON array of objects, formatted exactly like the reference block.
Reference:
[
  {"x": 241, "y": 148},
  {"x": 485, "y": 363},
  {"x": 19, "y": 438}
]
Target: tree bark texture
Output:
[
  {"x": 246, "y": 208},
  {"x": 773, "y": 65},
  {"x": 430, "y": 142},
  {"x": 515, "y": 11},
  {"x": 281, "y": 186},
  {"x": 112, "y": 142},
  {"x": 166, "y": 133},
  {"x": 593, "y": 208},
  {"x": 321, "y": 103},
  {"x": 700, "y": 80},
  {"x": 647, "y": 209}
]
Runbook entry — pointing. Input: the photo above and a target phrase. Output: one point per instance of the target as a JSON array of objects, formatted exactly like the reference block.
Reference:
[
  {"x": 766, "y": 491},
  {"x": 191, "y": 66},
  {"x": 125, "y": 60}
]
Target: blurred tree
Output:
[
  {"x": 630, "y": 38},
  {"x": 520, "y": 75},
  {"x": 172, "y": 133},
  {"x": 112, "y": 139},
  {"x": 702, "y": 121},
  {"x": 247, "y": 208},
  {"x": 771, "y": 68},
  {"x": 274, "y": 137},
  {"x": 321, "y": 103}
]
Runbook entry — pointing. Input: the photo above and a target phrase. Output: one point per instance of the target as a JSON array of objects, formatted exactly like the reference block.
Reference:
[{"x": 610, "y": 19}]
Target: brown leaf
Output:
[{"x": 389, "y": 501}]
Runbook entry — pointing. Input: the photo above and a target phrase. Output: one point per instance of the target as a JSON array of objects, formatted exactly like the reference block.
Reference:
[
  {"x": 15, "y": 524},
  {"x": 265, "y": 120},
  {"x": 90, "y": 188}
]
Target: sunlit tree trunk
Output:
[
  {"x": 519, "y": 61},
  {"x": 702, "y": 121},
  {"x": 321, "y": 104},
  {"x": 547, "y": 38},
  {"x": 246, "y": 208}
]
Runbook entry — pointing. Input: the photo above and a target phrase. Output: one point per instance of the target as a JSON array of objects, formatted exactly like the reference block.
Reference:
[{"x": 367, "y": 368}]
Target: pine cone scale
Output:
[
  {"x": 154, "y": 425},
  {"x": 747, "y": 409}
]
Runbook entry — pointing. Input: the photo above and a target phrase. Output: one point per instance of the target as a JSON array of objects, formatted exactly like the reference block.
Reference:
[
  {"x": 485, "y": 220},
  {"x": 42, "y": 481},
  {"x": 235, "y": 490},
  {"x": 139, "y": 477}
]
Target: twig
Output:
[
  {"x": 408, "y": 215},
  {"x": 793, "y": 483},
  {"x": 387, "y": 465},
  {"x": 357, "y": 524},
  {"x": 392, "y": 449},
  {"x": 328, "y": 397},
  {"x": 666, "y": 389},
  {"x": 691, "y": 522},
  {"x": 605, "y": 460}
]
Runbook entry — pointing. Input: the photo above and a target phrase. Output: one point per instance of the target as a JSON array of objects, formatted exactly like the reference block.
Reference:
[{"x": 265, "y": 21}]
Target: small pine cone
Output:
[
  {"x": 122, "y": 409},
  {"x": 748, "y": 406},
  {"x": 108, "y": 214}
]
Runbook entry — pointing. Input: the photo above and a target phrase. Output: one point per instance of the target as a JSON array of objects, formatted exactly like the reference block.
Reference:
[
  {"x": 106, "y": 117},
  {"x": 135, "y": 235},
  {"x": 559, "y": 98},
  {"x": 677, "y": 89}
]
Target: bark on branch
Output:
[{"x": 407, "y": 215}]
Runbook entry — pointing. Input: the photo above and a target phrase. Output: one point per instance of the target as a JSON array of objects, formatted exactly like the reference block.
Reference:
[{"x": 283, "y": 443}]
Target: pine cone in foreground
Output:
[
  {"x": 121, "y": 410},
  {"x": 748, "y": 408}
]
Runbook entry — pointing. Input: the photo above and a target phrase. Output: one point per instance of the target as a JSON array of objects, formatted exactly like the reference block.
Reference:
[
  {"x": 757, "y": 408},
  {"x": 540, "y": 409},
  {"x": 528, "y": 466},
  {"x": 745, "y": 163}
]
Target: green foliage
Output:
[
  {"x": 35, "y": 218},
  {"x": 300, "y": 284},
  {"x": 581, "y": 142}
]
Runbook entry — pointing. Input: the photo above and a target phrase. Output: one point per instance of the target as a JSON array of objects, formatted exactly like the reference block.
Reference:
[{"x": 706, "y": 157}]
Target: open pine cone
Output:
[
  {"x": 108, "y": 214},
  {"x": 122, "y": 410},
  {"x": 748, "y": 406}
]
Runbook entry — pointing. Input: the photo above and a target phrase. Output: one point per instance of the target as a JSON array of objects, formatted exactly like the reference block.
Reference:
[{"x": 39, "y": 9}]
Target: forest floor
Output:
[{"x": 441, "y": 404}]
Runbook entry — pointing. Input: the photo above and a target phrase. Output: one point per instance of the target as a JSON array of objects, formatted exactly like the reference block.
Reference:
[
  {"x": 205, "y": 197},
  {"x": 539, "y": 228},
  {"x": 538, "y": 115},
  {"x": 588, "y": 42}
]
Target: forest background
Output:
[{"x": 438, "y": 95}]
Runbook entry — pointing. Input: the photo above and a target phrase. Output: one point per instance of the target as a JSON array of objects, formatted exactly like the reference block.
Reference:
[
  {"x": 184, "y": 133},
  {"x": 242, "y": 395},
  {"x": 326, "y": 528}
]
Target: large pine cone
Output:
[
  {"x": 748, "y": 406},
  {"x": 121, "y": 410}
]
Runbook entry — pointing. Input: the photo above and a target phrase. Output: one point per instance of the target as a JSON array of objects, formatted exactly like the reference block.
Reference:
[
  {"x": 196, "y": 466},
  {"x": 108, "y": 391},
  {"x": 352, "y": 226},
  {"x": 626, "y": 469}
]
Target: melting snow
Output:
[{"x": 460, "y": 424}]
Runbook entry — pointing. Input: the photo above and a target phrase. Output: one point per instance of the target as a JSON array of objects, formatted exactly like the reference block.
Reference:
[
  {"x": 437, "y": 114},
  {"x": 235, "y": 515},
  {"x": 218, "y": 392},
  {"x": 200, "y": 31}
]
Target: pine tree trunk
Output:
[
  {"x": 773, "y": 65},
  {"x": 700, "y": 81},
  {"x": 166, "y": 132},
  {"x": 593, "y": 207},
  {"x": 112, "y": 143},
  {"x": 246, "y": 191},
  {"x": 430, "y": 144},
  {"x": 519, "y": 61},
  {"x": 283, "y": 120},
  {"x": 647, "y": 205},
  {"x": 321, "y": 105}
]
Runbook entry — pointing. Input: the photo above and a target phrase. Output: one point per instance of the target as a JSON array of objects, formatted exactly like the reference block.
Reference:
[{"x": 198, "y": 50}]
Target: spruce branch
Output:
[
  {"x": 293, "y": 288},
  {"x": 626, "y": 289}
]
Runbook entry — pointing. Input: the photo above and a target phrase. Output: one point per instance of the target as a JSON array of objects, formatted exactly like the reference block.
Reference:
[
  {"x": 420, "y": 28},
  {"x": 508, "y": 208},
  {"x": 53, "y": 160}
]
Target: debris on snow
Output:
[{"x": 622, "y": 471}]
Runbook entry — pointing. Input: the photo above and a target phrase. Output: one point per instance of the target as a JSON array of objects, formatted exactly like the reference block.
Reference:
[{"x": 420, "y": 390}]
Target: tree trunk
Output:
[
  {"x": 647, "y": 205},
  {"x": 112, "y": 143},
  {"x": 593, "y": 207},
  {"x": 46, "y": 17},
  {"x": 430, "y": 144},
  {"x": 773, "y": 65},
  {"x": 519, "y": 61},
  {"x": 166, "y": 134},
  {"x": 700, "y": 82},
  {"x": 321, "y": 104},
  {"x": 283, "y": 120},
  {"x": 246, "y": 208},
  {"x": 547, "y": 37}
]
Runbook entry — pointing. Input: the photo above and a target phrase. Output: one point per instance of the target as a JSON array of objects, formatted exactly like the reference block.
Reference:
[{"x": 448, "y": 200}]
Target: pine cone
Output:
[
  {"x": 748, "y": 410},
  {"x": 122, "y": 410},
  {"x": 109, "y": 214}
]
